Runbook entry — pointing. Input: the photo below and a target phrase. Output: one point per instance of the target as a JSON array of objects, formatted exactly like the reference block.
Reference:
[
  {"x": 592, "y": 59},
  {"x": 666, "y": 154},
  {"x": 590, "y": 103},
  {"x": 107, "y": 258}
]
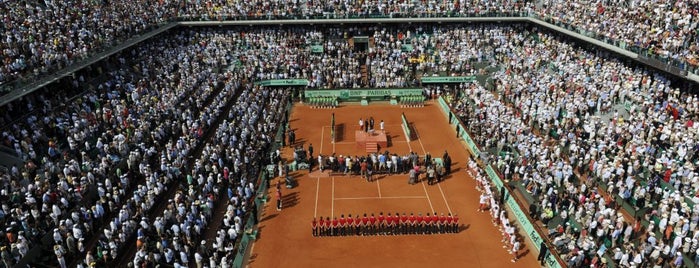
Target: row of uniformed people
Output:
[{"x": 389, "y": 224}]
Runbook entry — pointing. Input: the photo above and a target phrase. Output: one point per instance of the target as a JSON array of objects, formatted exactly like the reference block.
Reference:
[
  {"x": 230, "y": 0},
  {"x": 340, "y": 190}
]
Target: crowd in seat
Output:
[
  {"x": 582, "y": 157},
  {"x": 40, "y": 37},
  {"x": 97, "y": 167},
  {"x": 666, "y": 29},
  {"x": 244, "y": 138}
]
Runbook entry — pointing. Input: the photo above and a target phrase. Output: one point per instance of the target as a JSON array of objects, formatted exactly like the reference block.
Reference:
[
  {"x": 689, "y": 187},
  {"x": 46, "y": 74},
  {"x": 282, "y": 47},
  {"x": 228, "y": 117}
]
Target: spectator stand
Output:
[
  {"x": 243, "y": 246},
  {"x": 493, "y": 153},
  {"x": 533, "y": 232},
  {"x": 623, "y": 201}
]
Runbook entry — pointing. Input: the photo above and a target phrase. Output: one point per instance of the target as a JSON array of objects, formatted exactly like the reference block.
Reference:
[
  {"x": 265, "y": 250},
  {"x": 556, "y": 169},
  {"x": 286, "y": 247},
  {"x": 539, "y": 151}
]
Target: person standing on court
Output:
[
  {"x": 381, "y": 125},
  {"x": 291, "y": 138},
  {"x": 320, "y": 162},
  {"x": 361, "y": 124},
  {"x": 515, "y": 250},
  {"x": 411, "y": 177},
  {"x": 310, "y": 150},
  {"x": 363, "y": 170},
  {"x": 314, "y": 226},
  {"x": 455, "y": 224},
  {"x": 447, "y": 162},
  {"x": 483, "y": 202},
  {"x": 371, "y": 123},
  {"x": 543, "y": 249},
  {"x": 279, "y": 198}
]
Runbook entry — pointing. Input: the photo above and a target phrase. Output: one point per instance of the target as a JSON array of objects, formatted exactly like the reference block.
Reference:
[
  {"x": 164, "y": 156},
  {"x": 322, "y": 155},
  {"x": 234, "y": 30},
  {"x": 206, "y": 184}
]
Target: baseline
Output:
[{"x": 385, "y": 197}]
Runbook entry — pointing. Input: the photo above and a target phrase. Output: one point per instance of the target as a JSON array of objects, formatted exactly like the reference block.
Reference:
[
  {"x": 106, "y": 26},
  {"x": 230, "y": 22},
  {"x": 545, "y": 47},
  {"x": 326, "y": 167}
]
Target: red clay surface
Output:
[{"x": 285, "y": 238}]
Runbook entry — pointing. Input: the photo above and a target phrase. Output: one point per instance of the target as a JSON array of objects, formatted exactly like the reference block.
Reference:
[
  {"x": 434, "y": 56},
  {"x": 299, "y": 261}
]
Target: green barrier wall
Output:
[
  {"x": 406, "y": 127},
  {"x": 356, "y": 94},
  {"x": 245, "y": 238},
  {"x": 283, "y": 82}
]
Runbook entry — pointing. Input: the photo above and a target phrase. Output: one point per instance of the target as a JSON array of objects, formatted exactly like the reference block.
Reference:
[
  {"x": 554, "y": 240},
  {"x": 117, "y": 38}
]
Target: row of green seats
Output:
[
  {"x": 412, "y": 100},
  {"x": 322, "y": 101}
]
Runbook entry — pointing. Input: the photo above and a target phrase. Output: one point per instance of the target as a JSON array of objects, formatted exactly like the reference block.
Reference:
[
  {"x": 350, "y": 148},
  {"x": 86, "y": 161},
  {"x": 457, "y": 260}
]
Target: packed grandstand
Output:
[{"x": 598, "y": 145}]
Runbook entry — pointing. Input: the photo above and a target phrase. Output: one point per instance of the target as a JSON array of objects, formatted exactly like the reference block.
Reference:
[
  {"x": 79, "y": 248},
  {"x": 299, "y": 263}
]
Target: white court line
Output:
[
  {"x": 438, "y": 184},
  {"x": 354, "y": 142},
  {"x": 445, "y": 198},
  {"x": 322, "y": 134},
  {"x": 378, "y": 185},
  {"x": 356, "y": 127},
  {"x": 315, "y": 212},
  {"x": 407, "y": 140},
  {"x": 418, "y": 140},
  {"x": 332, "y": 207},
  {"x": 385, "y": 197},
  {"x": 428, "y": 195}
]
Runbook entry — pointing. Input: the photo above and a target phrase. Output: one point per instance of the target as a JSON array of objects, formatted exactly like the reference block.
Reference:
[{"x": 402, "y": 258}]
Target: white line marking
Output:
[
  {"x": 385, "y": 125},
  {"x": 354, "y": 142},
  {"x": 428, "y": 196},
  {"x": 322, "y": 134},
  {"x": 378, "y": 185},
  {"x": 443, "y": 196},
  {"x": 438, "y": 185},
  {"x": 385, "y": 197},
  {"x": 315, "y": 212},
  {"x": 407, "y": 139},
  {"x": 418, "y": 140},
  {"x": 332, "y": 207}
]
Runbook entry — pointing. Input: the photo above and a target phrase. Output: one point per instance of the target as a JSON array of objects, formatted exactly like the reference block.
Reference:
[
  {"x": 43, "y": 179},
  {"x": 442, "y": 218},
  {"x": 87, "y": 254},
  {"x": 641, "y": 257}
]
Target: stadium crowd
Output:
[
  {"x": 569, "y": 138},
  {"x": 130, "y": 139},
  {"x": 663, "y": 28},
  {"x": 35, "y": 45},
  {"x": 45, "y": 36}
]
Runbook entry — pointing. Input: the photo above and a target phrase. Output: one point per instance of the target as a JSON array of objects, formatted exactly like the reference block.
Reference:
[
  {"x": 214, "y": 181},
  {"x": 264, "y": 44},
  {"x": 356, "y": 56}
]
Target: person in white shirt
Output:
[
  {"x": 515, "y": 250},
  {"x": 483, "y": 202}
]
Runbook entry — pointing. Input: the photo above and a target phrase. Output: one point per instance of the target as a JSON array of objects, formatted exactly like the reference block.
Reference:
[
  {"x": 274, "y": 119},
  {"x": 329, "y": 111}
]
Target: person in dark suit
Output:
[
  {"x": 447, "y": 162},
  {"x": 310, "y": 150}
]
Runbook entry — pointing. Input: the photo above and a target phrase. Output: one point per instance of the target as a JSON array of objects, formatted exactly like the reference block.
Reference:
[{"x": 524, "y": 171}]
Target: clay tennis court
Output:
[{"x": 285, "y": 238}]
